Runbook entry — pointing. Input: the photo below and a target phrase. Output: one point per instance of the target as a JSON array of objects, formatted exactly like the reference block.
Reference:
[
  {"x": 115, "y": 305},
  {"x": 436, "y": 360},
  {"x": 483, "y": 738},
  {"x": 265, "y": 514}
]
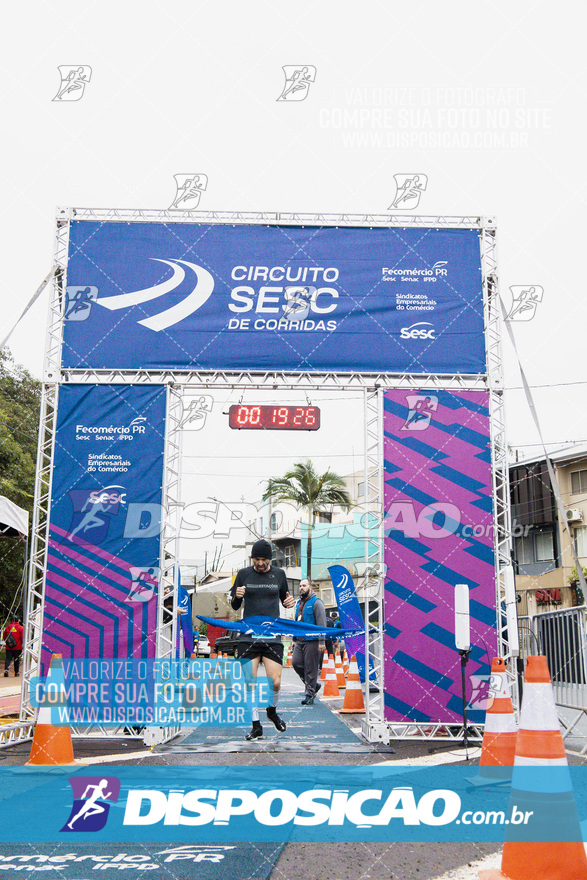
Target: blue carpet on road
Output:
[
  {"x": 309, "y": 728},
  {"x": 239, "y": 861}
]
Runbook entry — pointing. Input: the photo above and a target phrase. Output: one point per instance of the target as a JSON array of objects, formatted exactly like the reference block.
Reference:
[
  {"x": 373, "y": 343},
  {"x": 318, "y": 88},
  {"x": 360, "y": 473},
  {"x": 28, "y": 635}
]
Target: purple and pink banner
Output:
[
  {"x": 438, "y": 533},
  {"x": 105, "y": 522}
]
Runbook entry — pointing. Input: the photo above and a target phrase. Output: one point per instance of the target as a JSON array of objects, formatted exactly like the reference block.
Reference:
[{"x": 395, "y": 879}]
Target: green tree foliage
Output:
[
  {"x": 310, "y": 491},
  {"x": 20, "y": 397}
]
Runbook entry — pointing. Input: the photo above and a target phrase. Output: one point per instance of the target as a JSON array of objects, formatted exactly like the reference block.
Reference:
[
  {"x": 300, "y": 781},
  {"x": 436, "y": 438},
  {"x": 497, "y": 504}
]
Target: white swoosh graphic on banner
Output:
[
  {"x": 197, "y": 298},
  {"x": 124, "y": 300}
]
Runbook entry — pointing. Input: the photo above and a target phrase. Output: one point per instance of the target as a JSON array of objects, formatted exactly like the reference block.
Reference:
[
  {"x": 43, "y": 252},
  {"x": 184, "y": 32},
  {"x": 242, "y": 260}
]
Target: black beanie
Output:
[{"x": 261, "y": 550}]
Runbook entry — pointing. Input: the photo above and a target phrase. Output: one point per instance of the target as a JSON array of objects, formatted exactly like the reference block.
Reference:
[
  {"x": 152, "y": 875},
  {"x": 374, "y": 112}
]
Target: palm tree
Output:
[{"x": 307, "y": 489}]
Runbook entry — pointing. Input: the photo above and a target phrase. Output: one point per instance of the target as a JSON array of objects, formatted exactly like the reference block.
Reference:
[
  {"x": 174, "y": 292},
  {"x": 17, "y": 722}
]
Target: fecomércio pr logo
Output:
[{"x": 91, "y": 797}]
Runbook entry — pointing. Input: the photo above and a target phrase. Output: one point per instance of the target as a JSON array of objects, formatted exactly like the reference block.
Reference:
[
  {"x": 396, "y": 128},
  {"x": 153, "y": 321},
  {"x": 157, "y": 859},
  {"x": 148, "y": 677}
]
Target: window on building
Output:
[
  {"x": 289, "y": 556},
  {"x": 274, "y": 522},
  {"x": 578, "y": 482},
  {"x": 327, "y": 595},
  {"x": 324, "y": 517},
  {"x": 535, "y": 548},
  {"x": 361, "y": 489},
  {"x": 581, "y": 541},
  {"x": 524, "y": 554},
  {"x": 544, "y": 546}
]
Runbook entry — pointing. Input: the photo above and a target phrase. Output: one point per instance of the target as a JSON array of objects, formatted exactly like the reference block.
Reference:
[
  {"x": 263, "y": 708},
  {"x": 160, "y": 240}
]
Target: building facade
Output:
[{"x": 546, "y": 576}]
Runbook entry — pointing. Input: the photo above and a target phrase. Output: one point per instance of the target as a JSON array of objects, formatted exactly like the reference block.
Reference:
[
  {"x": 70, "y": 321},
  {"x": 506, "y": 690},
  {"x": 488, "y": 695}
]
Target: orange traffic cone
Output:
[
  {"x": 324, "y": 666},
  {"x": 353, "y": 697},
  {"x": 52, "y": 745},
  {"x": 553, "y": 811},
  {"x": 499, "y": 738},
  {"x": 345, "y": 663},
  {"x": 330, "y": 683},
  {"x": 340, "y": 679},
  {"x": 289, "y": 657}
]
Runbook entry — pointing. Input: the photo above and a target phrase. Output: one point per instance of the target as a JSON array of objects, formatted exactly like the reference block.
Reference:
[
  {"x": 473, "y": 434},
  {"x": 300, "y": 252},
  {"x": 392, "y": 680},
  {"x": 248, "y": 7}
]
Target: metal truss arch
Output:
[{"x": 372, "y": 386}]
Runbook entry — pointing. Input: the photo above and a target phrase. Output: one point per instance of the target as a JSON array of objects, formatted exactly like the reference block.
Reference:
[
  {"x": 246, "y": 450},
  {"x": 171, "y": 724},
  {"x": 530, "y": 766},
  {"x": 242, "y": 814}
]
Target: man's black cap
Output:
[{"x": 261, "y": 550}]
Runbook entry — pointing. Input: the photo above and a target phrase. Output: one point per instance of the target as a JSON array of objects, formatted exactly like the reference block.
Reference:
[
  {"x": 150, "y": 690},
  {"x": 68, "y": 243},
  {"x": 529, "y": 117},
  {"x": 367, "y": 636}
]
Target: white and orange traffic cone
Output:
[
  {"x": 289, "y": 662},
  {"x": 324, "y": 666},
  {"x": 552, "y": 810},
  {"x": 353, "y": 696},
  {"x": 51, "y": 744},
  {"x": 330, "y": 683},
  {"x": 345, "y": 663},
  {"x": 340, "y": 679},
  {"x": 498, "y": 748}
]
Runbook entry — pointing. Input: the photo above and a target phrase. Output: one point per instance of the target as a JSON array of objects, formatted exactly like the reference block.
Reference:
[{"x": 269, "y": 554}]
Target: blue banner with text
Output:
[
  {"x": 105, "y": 522},
  {"x": 218, "y": 805},
  {"x": 254, "y": 297}
]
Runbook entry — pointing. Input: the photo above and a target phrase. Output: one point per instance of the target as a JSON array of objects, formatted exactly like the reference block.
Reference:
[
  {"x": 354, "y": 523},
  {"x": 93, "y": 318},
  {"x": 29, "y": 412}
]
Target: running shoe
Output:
[
  {"x": 256, "y": 732},
  {"x": 273, "y": 716}
]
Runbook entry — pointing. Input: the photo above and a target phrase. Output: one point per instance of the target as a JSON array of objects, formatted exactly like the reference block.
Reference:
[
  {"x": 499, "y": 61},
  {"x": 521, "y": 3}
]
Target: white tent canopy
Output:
[
  {"x": 221, "y": 586},
  {"x": 13, "y": 519}
]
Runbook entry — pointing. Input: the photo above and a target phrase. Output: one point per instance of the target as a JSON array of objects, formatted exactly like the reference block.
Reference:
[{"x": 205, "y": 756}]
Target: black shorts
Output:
[{"x": 271, "y": 650}]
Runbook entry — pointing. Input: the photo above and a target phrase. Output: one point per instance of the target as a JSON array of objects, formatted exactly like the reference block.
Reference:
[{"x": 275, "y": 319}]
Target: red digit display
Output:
[{"x": 273, "y": 418}]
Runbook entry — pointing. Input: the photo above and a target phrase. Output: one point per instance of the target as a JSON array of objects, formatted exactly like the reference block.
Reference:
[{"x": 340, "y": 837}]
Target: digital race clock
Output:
[{"x": 274, "y": 418}]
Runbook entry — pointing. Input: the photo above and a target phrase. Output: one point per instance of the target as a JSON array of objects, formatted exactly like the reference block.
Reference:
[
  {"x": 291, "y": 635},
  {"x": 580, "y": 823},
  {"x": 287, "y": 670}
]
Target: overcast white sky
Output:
[{"x": 487, "y": 99}]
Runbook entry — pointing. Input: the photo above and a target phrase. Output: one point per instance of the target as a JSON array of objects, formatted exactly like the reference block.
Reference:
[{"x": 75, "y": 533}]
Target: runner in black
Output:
[{"x": 262, "y": 588}]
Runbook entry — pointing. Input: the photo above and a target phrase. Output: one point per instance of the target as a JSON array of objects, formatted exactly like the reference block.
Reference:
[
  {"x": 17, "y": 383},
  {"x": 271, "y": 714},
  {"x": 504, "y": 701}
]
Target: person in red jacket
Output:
[{"x": 13, "y": 641}]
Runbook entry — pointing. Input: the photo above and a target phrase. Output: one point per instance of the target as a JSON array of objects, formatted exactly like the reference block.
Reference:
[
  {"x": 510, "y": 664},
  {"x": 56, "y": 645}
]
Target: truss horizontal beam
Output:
[
  {"x": 155, "y": 215},
  {"x": 402, "y": 221},
  {"x": 12, "y": 734},
  {"x": 443, "y": 732},
  {"x": 273, "y": 380}
]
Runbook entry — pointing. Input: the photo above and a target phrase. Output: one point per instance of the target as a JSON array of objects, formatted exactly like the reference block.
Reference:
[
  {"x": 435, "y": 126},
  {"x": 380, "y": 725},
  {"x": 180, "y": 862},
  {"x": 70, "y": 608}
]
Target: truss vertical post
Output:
[
  {"x": 505, "y": 590},
  {"x": 54, "y": 337},
  {"x": 170, "y": 526},
  {"x": 373, "y": 725},
  {"x": 169, "y": 581},
  {"x": 35, "y": 601}
]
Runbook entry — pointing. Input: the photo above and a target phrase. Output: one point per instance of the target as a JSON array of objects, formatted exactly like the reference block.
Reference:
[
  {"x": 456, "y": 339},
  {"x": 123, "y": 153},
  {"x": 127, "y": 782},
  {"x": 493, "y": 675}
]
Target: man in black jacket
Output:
[{"x": 262, "y": 588}]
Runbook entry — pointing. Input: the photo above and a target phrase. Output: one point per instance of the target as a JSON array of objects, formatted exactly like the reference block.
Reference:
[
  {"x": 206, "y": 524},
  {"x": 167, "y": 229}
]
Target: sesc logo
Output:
[
  {"x": 420, "y": 330},
  {"x": 92, "y": 509}
]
